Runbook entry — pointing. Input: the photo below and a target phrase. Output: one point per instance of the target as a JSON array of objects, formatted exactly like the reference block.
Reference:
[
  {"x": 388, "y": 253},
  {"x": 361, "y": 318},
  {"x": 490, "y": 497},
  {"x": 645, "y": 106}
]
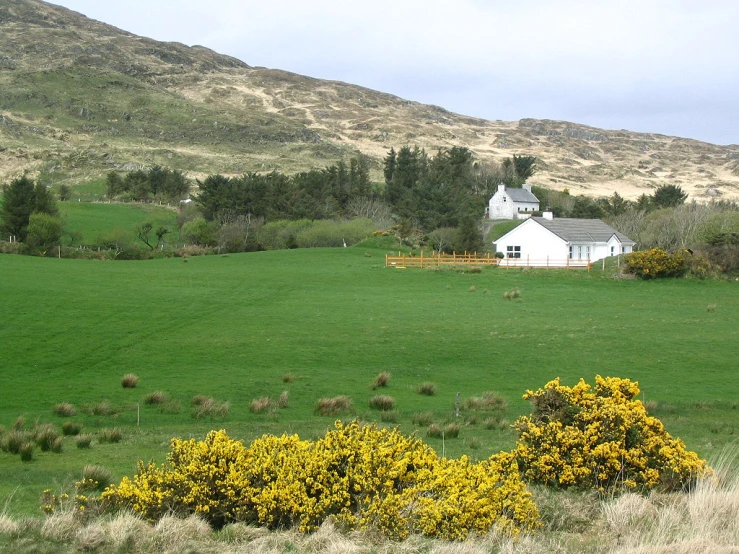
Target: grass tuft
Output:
[
  {"x": 489, "y": 401},
  {"x": 426, "y": 389},
  {"x": 261, "y": 405},
  {"x": 102, "y": 476},
  {"x": 288, "y": 378},
  {"x": 422, "y": 419},
  {"x": 156, "y": 397},
  {"x": 130, "y": 380},
  {"x": 283, "y": 401},
  {"x": 26, "y": 451},
  {"x": 210, "y": 407},
  {"x": 381, "y": 381},
  {"x": 83, "y": 440},
  {"x": 333, "y": 406},
  {"x": 113, "y": 434},
  {"x": 382, "y": 402},
  {"x": 64, "y": 409}
]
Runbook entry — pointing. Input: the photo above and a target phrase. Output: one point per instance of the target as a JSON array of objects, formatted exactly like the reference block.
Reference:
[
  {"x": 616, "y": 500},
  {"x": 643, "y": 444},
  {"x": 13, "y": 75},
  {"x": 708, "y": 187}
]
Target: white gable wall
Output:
[{"x": 536, "y": 243}]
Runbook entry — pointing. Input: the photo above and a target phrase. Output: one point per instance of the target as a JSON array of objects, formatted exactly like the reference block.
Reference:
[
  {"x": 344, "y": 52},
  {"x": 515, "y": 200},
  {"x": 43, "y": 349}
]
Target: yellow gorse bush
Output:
[
  {"x": 600, "y": 438},
  {"x": 654, "y": 263},
  {"x": 359, "y": 475}
]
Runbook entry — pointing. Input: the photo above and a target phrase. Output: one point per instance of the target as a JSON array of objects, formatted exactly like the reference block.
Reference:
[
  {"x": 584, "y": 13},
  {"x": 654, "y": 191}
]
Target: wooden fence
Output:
[
  {"x": 403, "y": 261},
  {"x": 435, "y": 259}
]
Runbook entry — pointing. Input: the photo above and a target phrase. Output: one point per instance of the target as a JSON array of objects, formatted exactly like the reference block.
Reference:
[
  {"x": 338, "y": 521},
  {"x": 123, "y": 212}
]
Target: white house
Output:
[
  {"x": 548, "y": 242},
  {"x": 512, "y": 203}
]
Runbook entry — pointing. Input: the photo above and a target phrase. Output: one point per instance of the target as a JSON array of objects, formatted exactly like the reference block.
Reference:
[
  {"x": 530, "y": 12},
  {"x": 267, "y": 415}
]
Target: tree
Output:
[
  {"x": 18, "y": 204},
  {"x": 114, "y": 185},
  {"x": 44, "y": 231},
  {"x": 442, "y": 238},
  {"x": 469, "y": 236},
  {"x": 143, "y": 232},
  {"x": 668, "y": 196},
  {"x": 44, "y": 201},
  {"x": 65, "y": 192},
  {"x": 586, "y": 208}
]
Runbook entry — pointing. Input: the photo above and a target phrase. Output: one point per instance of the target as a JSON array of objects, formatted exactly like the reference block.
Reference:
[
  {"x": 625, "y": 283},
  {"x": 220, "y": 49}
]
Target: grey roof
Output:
[
  {"x": 581, "y": 230},
  {"x": 521, "y": 195}
]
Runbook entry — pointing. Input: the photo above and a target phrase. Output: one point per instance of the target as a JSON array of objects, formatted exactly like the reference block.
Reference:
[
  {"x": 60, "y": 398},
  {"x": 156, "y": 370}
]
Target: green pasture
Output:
[
  {"x": 232, "y": 327},
  {"x": 89, "y": 221}
]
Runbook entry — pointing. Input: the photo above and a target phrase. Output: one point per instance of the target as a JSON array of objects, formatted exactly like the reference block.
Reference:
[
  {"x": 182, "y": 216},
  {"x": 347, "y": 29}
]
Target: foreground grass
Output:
[
  {"x": 706, "y": 520},
  {"x": 233, "y": 327}
]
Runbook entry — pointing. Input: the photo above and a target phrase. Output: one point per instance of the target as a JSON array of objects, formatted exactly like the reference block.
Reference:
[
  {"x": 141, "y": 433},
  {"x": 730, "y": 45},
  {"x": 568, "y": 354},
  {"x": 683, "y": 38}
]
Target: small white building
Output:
[
  {"x": 548, "y": 242},
  {"x": 512, "y": 203}
]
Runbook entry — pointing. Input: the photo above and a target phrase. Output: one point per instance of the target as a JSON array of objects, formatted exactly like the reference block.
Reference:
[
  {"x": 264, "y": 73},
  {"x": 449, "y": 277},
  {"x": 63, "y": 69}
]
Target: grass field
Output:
[
  {"x": 89, "y": 221},
  {"x": 232, "y": 327}
]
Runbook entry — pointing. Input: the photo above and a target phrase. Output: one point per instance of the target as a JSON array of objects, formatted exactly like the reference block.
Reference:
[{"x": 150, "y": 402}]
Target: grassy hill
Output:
[
  {"x": 81, "y": 98},
  {"x": 232, "y": 327}
]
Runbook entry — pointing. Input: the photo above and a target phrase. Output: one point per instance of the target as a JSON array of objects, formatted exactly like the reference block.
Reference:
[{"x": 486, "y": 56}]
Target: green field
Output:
[
  {"x": 232, "y": 326},
  {"x": 89, "y": 221}
]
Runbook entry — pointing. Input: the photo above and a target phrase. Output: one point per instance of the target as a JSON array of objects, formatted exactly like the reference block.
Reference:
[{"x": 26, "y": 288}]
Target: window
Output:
[
  {"x": 613, "y": 250},
  {"x": 570, "y": 252},
  {"x": 504, "y": 199},
  {"x": 623, "y": 249},
  {"x": 513, "y": 251}
]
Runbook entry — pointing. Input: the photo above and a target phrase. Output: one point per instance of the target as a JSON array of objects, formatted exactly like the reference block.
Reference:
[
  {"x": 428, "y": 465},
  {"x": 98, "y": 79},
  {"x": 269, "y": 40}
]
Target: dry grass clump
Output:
[
  {"x": 381, "y": 381},
  {"x": 60, "y": 526},
  {"x": 14, "y": 439},
  {"x": 175, "y": 533},
  {"x": 492, "y": 423},
  {"x": 261, "y": 405},
  {"x": 422, "y": 419},
  {"x": 130, "y": 380},
  {"x": 333, "y": 406},
  {"x": 26, "y": 451},
  {"x": 391, "y": 416},
  {"x": 103, "y": 408},
  {"x": 156, "y": 398},
  {"x": 451, "y": 430},
  {"x": 19, "y": 423},
  {"x": 512, "y": 294},
  {"x": 712, "y": 307},
  {"x": 472, "y": 289},
  {"x": 434, "y": 431},
  {"x": 382, "y": 402},
  {"x": 112, "y": 435},
  {"x": 489, "y": 401},
  {"x": 64, "y": 409},
  {"x": 8, "y": 526},
  {"x": 83, "y": 440},
  {"x": 206, "y": 406},
  {"x": 46, "y": 435},
  {"x": 288, "y": 378},
  {"x": 426, "y": 388},
  {"x": 284, "y": 400}
]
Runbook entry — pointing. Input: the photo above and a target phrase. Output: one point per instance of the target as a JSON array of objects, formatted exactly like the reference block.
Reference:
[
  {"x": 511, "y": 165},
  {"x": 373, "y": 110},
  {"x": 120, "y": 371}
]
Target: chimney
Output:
[
  {"x": 547, "y": 213},
  {"x": 501, "y": 187},
  {"x": 526, "y": 186}
]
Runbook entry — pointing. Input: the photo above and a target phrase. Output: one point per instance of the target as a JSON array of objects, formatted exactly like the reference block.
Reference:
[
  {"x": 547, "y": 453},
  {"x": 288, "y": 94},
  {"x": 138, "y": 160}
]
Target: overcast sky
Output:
[{"x": 660, "y": 66}]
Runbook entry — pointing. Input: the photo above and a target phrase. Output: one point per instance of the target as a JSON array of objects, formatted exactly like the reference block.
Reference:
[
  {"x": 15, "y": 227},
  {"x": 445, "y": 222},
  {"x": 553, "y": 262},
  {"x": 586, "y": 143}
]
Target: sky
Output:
[{"x": 655, "y": 66}]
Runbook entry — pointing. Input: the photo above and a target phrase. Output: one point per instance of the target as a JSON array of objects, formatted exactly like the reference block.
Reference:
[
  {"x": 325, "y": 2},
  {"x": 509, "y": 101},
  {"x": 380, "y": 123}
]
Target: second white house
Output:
[{"x": 549, "y": 242}]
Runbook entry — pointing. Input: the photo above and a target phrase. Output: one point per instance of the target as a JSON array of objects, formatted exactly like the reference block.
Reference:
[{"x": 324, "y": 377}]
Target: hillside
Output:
[{"x": 80, "y": 98}]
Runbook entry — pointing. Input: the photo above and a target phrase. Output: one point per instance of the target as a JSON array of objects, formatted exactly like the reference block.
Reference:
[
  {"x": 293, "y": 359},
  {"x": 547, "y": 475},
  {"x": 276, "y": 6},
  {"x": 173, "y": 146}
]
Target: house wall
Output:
[
  {"x": 501, "y": 206},
  {"x": 537, "y": 243}
]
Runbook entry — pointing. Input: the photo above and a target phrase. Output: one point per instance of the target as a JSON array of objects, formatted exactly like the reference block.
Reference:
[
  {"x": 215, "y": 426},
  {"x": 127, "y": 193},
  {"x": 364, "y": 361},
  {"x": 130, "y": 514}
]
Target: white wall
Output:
[{"x": 537, "y": 244}]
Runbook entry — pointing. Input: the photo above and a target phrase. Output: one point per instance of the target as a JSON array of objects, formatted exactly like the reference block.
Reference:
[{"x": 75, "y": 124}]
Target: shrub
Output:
[
  {"x": 333, "y": 406},
  {"x": 83, "y": 440},
  {"x": 601, "y": 439},
  {"x": 64, "y": 409},
  {"x": 45, "y": 435},
  {"x": 422, "y": 419},
  {"x": 96, "y": 477},
  {"x": 427, "y": 389},
  {"x": 261, "y": 405},
  {"x": 110, "y": 435},
  {"x": 129, "y": 381},
  {"x": 381, "y": 380},
  {"x": 382, "y": 402},
  {"x": 210, "y": 407},
  {"x": 655, "y": 263},
  {"x": 155, "y": 398},
  {"x": 359, "y": 476}
]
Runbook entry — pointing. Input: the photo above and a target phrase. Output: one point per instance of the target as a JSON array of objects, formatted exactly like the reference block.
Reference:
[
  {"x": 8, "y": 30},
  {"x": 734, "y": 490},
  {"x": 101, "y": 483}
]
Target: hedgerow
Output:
[
  {"x": 360, "y": 476},
  {"x": 600, "y": 438}
]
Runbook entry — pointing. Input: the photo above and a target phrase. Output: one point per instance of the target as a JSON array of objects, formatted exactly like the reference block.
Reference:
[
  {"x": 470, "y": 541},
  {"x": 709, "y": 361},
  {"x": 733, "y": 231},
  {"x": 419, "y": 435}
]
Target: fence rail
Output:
[
  {"x": 436, "y": 259},
  {"x": 403, "y": 261}
]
